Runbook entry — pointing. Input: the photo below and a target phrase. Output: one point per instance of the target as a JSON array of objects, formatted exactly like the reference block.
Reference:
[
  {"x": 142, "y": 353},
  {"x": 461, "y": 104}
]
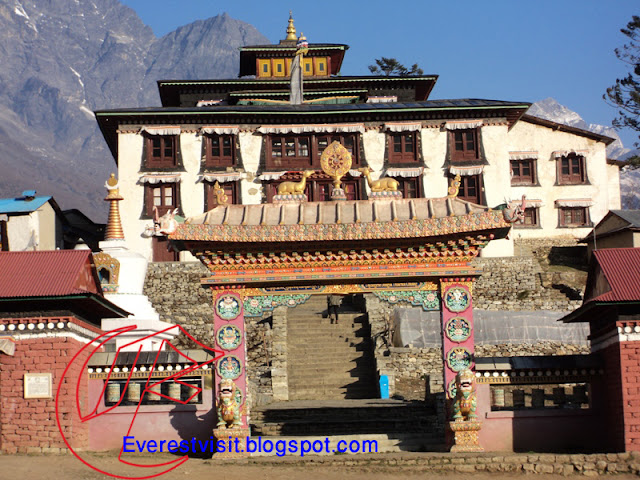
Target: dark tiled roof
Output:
[
  {"x": 566, "y": 128},
  {"x": 621, "y": 268},
  {"x": 302, "y": 109},
  {"x": 631, "y": 216},
  {"x": 45, "y": 273}
]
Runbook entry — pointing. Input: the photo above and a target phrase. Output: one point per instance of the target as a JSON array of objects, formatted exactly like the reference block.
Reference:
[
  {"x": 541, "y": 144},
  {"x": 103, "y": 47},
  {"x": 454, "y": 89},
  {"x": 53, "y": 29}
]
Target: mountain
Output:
[
  {"x": 63, "y": 59},
  {"x": 550, "y": 109}
]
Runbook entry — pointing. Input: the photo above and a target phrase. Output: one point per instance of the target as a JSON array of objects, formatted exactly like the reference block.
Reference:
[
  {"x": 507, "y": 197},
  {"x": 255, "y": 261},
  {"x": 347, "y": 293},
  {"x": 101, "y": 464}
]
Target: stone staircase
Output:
[
  {"x": 395, "y": 425},
  {"x": 329, "y": 361}
]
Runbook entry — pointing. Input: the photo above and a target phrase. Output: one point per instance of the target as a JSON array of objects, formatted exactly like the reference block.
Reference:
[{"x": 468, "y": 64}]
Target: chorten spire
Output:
[
  {"x": 114, "y": 225},
  {"x": 291, "y": 29}
]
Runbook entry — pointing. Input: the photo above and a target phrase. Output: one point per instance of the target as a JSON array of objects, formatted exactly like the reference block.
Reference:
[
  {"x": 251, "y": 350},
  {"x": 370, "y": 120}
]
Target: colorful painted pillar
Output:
[
  {"x": 230, "y": 373},
  {"x": 458, "y": 350}
]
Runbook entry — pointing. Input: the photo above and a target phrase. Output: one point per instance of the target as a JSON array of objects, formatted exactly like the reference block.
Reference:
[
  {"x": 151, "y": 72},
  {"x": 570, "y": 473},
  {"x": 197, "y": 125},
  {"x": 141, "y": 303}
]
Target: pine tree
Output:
[
  {"x": 391, "y": 66},
  {"x": 625, "y": 94}
]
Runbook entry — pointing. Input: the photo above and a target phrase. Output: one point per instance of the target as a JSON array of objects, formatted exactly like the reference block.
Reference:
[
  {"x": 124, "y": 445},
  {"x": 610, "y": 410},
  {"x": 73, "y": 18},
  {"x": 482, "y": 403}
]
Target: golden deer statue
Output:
[
  {"x": 295, "y": 188},
  {"x": 385, "y": 184}
]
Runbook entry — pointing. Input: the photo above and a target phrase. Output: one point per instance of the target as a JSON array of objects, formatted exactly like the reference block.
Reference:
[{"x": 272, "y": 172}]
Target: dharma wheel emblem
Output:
[{"x": 336, "y": 162}]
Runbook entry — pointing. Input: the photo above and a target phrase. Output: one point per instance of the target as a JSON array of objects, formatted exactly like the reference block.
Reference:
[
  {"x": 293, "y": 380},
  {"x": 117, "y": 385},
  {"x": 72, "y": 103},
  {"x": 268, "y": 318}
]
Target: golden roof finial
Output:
[
  {"x": 114, "y": 225},
  {"x": 291, "y": 30}
]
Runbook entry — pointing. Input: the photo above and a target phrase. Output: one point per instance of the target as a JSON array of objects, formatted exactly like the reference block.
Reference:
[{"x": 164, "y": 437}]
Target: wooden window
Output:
[
  {"x": 219, "y": 150},
  {"x": 231, "y": 190},
  {"x": 307, "y": 67},
  {"x": 523, "y": 172},
  {"x": 320, "y": 66},
  {"x": 289, "y": 151},
  {"x": 278, "y": 67},
  {"x": 4, "y": 236},
  {"x": 464, "y": 144},
  {"x": 471, "y": 188},
  {"x": 571, "y": 170},
  {"x": 264, "y": 67},
  {"x": 410, "y": 187},
  {"x": 348, "y": 141},
  {"x": 161, "y": 151},
  {"x": 574, "y": 216},
  {"x": 163, "y": 196},
  {"x": 531, "y": 218},
  {"x": 403, "y": 147}
]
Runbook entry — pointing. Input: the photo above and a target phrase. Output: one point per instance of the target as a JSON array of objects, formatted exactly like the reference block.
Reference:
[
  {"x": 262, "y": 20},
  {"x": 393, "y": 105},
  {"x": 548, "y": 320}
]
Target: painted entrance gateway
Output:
[{"x": 416, "y": 251}]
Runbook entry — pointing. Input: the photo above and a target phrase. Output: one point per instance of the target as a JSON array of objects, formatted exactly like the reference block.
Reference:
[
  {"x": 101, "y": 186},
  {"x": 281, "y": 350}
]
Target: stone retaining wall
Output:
[{"x": 585, "y": 465}]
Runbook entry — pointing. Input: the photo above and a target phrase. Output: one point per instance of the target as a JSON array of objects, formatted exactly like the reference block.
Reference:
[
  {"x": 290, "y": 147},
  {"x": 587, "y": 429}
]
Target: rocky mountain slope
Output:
[{"x": 63, "y": 59}]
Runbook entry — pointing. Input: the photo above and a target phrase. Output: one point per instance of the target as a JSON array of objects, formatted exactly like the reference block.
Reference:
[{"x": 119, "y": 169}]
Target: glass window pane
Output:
[
  {"x": 290, "y": 147},
  {"x": 459, "y": 144},
  {"x": 397, "y": 144},
  {"x": 565, "y": 166},
  {"x": 471, "y": 143},
  {"x": 303, "y": 147},
  {"x": 408, "y": 145}
]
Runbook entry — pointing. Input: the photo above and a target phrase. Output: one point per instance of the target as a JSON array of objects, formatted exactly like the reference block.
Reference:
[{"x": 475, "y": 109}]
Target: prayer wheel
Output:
[
  {"x": 154, "y": 393},
  {"x": 113, "y": 392},
  {"x": 133, "y": 392},
  {"x": 174, "y": 390},
  {"x": 497, "y": 397}
]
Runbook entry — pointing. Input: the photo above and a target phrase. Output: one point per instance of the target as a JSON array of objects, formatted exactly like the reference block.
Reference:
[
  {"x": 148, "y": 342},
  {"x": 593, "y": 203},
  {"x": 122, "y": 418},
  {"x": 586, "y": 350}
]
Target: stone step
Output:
[
  {"x": 340, "y": 380},
  {"x": 333, "y": 351},
  {"x": 346, "y": 366}
]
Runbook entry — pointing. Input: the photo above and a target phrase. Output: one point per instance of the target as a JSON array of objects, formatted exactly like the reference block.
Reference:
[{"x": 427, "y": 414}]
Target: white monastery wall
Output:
[
  {"x": 434, "y": 152},
  {"x": 526, "y": 136},
  {"x": 22, "y": 231}
]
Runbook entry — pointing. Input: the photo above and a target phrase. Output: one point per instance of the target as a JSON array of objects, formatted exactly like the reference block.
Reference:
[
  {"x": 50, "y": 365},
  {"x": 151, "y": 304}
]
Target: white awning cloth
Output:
[
  {"x": 564, "y": 153},
  {"x": 154, "y": 178},
  {"x": 222, "y": 177},
  {"x": 167, "y": 130},
  {"x": 462, "y": 125},
  {"x": 220, "y": 130},
  {"x": 471, "y": 170},
  {"x": 523, "y": 155},
  {"x": 403, "y": 127},
  {"x": 579, "y": 202},
  {"x": 271, "y": 175},
  {"x": 315, "y": 128},
  {"x": 405, "y": 172}
]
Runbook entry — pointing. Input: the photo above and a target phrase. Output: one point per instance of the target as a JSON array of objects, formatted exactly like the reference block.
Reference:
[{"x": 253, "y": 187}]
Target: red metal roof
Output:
[
  {"x": 46, "y": 273},
  {"x": 621, "y": 268}
]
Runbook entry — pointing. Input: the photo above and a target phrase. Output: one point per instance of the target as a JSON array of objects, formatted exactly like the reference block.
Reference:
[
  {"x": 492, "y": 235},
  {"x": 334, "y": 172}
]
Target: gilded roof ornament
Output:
[
  {"x": 291, "y": 29},
  {"x": 454, "y": 187},
  {"x": 114, "y": 225}
]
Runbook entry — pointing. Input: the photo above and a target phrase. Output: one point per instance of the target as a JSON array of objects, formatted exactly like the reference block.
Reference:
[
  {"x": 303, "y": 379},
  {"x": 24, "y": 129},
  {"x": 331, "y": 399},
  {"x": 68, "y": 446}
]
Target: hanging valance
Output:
[
  {"x": 533, "y": 203},
  {"x": 579, "y": 202},
  {"x": 523, "y": 155},
  {"x": 462, "y": 125},
  {"x": 315, "y": 128},
  {"x": 355, "y": 173},
  {"x": 161, "y": 130},
  {"x": 564, "y": 153},
  {"x": 160, "y": 178},
  {"x": 471, "y": 170},
  {"x": 405, "y": 172},
  {"x": 220, "y": 130},
  {"x": 271, "y": 175},
  {"x": 222, "y": 177},
  {"x": 403, "y": 127},
  {"x": 7, "y": 346}
]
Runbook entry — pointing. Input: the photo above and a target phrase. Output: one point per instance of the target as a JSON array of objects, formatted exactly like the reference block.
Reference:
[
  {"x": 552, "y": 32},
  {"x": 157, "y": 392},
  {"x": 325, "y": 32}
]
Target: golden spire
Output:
[
  {"x": 114, "y": 225},
  {"x": 291, "y": 30}
]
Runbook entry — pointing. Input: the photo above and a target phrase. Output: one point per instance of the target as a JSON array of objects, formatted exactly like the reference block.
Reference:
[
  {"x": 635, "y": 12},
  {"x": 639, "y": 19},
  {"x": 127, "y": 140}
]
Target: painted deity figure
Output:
[
  {"x": 465, "y": 403},
  {"x": 228, "y": 409}
]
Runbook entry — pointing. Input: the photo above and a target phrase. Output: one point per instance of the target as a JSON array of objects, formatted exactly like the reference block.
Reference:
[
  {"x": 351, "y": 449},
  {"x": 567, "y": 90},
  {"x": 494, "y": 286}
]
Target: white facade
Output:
[
  {"x": 600, "y": 193},
  {"x": 40, "y": 229}
]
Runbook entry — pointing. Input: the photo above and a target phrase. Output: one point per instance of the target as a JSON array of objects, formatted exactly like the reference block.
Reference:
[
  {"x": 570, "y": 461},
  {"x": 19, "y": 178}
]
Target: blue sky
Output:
[{"x": 497, "y": 49}]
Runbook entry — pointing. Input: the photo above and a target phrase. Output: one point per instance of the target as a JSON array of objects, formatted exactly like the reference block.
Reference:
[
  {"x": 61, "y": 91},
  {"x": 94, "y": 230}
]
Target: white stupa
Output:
[{"x": 122, "y": 274}]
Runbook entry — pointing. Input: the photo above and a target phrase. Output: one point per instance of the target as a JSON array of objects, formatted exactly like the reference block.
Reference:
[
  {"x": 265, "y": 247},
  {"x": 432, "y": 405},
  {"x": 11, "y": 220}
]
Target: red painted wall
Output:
[
  {"x": 153, "y": 422},
  {"x": 29, "y": 425},
  {"x": 630, "y": 383}
]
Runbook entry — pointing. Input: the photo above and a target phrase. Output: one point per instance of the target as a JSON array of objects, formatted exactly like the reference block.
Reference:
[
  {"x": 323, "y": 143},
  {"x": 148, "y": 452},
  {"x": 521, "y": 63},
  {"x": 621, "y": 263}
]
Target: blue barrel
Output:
[{"x": 384, "y": 386}]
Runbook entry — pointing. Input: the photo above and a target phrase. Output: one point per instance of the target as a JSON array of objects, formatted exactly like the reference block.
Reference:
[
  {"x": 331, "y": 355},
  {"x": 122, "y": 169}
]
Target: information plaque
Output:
[{"x": 37, "y": 385}]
